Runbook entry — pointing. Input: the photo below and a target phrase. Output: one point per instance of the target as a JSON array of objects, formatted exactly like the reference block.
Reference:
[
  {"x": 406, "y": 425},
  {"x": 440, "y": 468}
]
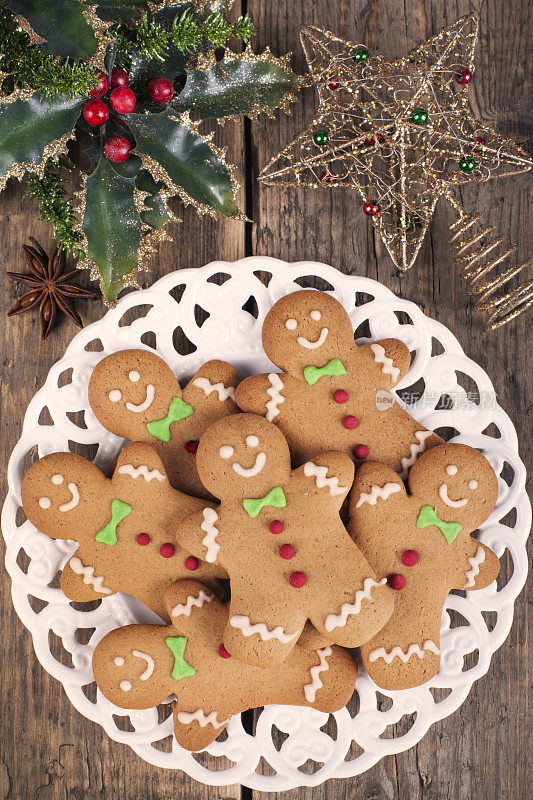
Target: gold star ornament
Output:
[{"x": 399, "y": 132}]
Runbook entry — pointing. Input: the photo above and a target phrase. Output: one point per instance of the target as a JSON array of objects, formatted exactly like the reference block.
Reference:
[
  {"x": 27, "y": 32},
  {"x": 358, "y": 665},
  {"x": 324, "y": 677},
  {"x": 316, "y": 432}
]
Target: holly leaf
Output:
[
  {"x": 112, "y": 226},
  {"x": 246, "y": 84},
  {"x": 61, "y": 23},
  {"x": 185, "y": 161},
  {"x": 28, "y": 129}
]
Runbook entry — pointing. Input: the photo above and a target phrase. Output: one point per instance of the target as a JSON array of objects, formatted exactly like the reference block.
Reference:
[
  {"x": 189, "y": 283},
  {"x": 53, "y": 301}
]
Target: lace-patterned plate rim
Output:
[{"x": 231, "y": 329}]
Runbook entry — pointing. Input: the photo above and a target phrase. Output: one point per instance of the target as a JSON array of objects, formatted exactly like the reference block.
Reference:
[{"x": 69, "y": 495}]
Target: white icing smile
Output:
[
  {"x": 149, "y": 664},
  {"x": 303, "y": 342},
  {"x": 147, "y": 402},
  {"x": 251, "y": 472},
  {"x": 443, "y": 494},
  {"x": 75, "y": 499}
]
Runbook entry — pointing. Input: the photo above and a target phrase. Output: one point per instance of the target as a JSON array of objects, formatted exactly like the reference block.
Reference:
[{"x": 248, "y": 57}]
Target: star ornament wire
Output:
[{"x": 399, "y": 132}]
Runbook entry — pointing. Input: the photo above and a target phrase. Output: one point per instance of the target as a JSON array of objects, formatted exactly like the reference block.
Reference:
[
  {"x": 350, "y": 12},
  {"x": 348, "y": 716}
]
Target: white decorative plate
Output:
[{"x": 308, "y": 754}]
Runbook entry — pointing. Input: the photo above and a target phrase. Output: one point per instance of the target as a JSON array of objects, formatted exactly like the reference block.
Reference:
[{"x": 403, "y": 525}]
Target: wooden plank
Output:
[{"x": 481, "y": 750}]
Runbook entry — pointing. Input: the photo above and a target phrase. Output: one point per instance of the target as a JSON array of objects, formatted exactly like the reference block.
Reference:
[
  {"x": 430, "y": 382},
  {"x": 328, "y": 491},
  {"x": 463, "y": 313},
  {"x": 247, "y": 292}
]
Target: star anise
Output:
[{"x": 50, "y": 290}]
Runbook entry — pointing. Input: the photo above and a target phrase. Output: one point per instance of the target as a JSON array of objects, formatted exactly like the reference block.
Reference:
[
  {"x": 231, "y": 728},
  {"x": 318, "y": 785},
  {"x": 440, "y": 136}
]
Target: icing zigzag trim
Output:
[
  {"x": 247, "y": 629},
  {"x": 397, "y": 652},
  {"x": 347, "y": 609},
  {"x": 310, "y": 689},
  {"x": 185, "y": 609}
]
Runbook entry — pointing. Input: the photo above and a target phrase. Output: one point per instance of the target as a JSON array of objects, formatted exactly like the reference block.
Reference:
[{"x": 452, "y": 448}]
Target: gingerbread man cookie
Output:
[
  {"x": 331, "y": 390},
  {"x": 138, "y": 666},
  {"x": 420, "y": 542},
  {"x": 279, "y": 536},
  {"x": 125, "y": 525},
  {"x": 135, "y": 394}
]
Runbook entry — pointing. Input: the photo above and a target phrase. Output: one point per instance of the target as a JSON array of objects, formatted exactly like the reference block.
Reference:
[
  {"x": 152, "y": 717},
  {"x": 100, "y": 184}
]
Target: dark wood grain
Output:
[{"x": 48, "y": 749}]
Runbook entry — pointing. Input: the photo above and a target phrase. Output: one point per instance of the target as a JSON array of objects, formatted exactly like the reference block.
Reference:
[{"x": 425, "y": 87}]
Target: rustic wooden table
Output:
[{"x": 48, "y": 749}]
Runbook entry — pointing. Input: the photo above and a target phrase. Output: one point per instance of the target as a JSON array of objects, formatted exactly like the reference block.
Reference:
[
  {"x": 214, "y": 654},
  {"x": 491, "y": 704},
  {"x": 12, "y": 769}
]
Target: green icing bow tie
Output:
[
  {"x": 181, "y": 668},
  {"x": 178, "y": 409},
  {"x": 333, "y": 368},
  {"x": 428, "y": 516},
  {"x": 119, "y": 510},
  {"x": 275, "y": 498}
]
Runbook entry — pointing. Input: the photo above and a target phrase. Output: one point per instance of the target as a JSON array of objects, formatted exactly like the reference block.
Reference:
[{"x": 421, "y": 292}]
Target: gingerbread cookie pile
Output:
[{"x": 246, "y": 481}]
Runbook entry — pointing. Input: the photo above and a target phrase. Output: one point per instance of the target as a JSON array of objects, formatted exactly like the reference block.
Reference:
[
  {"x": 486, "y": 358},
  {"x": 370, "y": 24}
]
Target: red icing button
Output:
[
  {"x": 350, "y": 423},
  {"x": 409, "y": 558},
  {"x": 143, "y": 539},
  {"x": 297, "y": 579},
  {"x": 396, "y": 581},
  {"x": 340, "y": 395},
  {"x": 287, "y": 551},
  {"x": 191, "y": 562},
  {"x": 276, "y": 526},
  {"x": 361, "y": 451},
  {"x": 223, "y": 653},
  {"x": 191, "y": 447},
  {"x": 167, "y": 550}
]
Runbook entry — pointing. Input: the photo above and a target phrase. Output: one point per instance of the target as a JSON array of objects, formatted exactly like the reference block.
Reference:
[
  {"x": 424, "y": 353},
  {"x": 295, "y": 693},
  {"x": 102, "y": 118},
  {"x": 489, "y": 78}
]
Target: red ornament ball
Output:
[
  {"x": 409, "y": 558},
  {"x": 119, "y": 78},
  {"x": 361, "y": 451},
  {"x": 350, "y": 422},
  {"x": 191, "y": 446},
  {"x": 161, "y": 90},
  {"x": 143, "y": 539},
  {"x": 223, "y": 653},
  {"x": 370, "y": 208},
  {"x": 464, "y": 76},
  {"x": 101, "y": 87},
  {"x": 167, "y": 550},
  {"x": 340, "y": 395},
  {"x": 297, "y": 579},
  {"x": 95, "y": 113},
  {"x": 276, "y": 526},
  {"x": 192, "y": 563},
  {"x": 327, "y": 177},
  {"x": 333, "y": 83},
  {"x": 117, "y": 149},
  {"x": 286, "y": 551},
  {"x": 369, "y": 141},
  {"x": 396, "y": 581},
  {"x": 123, "y": 100}
]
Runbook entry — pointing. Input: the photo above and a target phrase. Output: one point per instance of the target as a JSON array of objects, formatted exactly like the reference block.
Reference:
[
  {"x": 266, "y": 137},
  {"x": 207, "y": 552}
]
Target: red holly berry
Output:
[
  {"x": 101, "y": 87},
  {"x": 95, "y": 112},
  {"x": 123, "y": 100},
  {"x": 371, "y": 209},
  {"x": 119, "y": 78},
  {"x": 117, "y": 149},
  {"x": 160, "y": 90}
]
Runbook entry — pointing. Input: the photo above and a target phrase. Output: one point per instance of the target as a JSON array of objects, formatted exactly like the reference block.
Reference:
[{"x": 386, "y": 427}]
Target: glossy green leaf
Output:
[
  {"x": 112, "y": 226},
  {"x": 27, "y": 126},
  {"x": 187, "y": 159},
  {"x": 240, "y": 86},
  {"x": 61, "y": 23}
]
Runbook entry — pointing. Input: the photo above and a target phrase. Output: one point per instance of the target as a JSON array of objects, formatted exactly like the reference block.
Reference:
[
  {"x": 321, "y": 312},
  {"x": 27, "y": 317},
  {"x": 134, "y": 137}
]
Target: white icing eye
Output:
[
  {"x": 316, "y": 315},
  {"x": 291, "y": 324},
  {"x": 134, "y": 376},
  {"x": 115, "y": 395},
  {"x": 252, "y": 441},
  {"x": 451, "y": 469},
  {"x": 119, "y": 661},
  {"x": 125, "y": 686},
  {"x": 472, "y": 484},
  {"x": 226, "y": 451},
  {"x": 57, "y": 479},
  {"x": 45, "y": 502}
]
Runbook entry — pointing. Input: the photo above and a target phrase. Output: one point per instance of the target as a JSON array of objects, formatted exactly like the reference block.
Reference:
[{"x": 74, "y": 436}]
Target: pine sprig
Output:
[
  {"x": 28, "y": 65},
  {"x": 152, "y": 39},
  {"x": 55, "y": 207}
]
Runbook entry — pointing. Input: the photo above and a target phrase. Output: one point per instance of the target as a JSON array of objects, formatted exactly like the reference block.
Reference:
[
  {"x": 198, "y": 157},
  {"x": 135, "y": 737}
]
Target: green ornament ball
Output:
[
  {"x": 321, "y": 138},
  {"x": 467, "y": 164},
  {"x": 405, "y": 224},
  {"x": 419, "y": 116},
  {"x": 360, "y": 54}
]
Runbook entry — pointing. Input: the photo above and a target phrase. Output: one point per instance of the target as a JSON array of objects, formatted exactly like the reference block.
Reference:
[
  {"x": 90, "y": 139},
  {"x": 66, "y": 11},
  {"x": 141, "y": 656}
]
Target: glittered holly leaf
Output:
[
  {"x": 155, "y": 214},
  {"x": 61, "y": 24},
  {"x": 112, "y": 228},
  {"x": 33, "y": 130},
  {"x": 244, "y": 84},
  {"x": 188, "y": 164}
]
